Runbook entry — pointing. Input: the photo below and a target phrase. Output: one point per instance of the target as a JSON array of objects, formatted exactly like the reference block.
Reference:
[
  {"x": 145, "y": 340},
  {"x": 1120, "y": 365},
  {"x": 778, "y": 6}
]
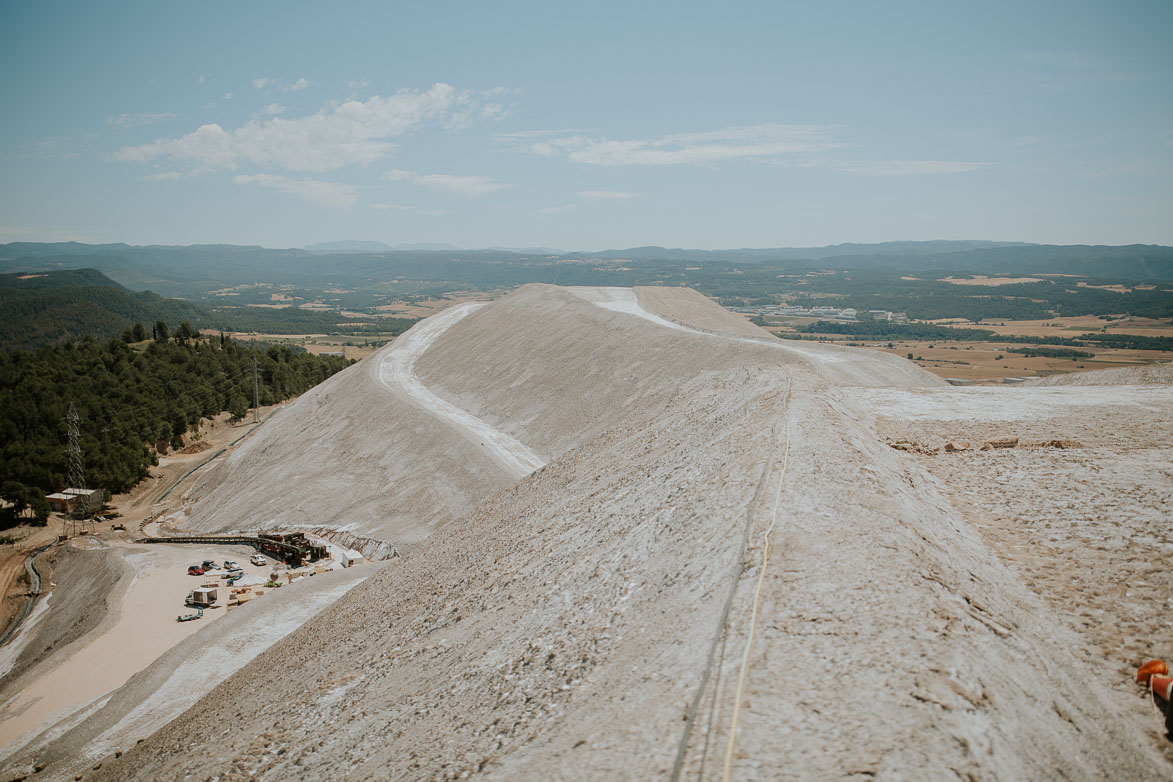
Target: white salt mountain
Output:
[{"x": 721, "y": 571}]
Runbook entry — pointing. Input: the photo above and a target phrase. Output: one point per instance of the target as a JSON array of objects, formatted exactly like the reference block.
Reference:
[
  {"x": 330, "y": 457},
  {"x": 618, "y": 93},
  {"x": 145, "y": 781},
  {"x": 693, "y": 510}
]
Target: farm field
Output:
[{"x": 993, "y": 361}]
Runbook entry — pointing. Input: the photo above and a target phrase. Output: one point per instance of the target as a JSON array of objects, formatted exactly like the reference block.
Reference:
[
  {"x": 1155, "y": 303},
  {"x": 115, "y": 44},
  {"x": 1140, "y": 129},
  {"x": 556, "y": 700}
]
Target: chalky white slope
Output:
[{"x": 722, "y": 572}]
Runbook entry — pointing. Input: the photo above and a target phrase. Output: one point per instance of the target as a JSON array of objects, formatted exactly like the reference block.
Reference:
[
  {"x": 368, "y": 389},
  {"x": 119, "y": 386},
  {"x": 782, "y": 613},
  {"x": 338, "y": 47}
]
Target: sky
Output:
[{"x": 586, "y": 126}]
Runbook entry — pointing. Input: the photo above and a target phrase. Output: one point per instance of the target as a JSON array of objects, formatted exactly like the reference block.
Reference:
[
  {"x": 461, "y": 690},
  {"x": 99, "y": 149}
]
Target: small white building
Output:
[
  {"x": 66, "y": 501},
  {"x": 202, "y": 596}
]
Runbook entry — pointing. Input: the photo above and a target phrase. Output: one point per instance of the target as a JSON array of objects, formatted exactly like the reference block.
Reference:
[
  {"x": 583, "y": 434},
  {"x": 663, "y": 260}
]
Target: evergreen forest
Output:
[{"x": 134, "y": 399}]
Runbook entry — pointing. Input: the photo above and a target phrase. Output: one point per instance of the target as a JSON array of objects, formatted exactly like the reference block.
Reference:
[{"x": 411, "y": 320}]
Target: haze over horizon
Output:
[{"x": 586, "y": 128}]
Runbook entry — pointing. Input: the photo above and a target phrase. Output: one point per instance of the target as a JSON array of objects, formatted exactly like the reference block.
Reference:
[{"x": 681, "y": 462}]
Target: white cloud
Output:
[
  {"x": 611, "y": 194},
  {"x": 272, "y": 109},
  {"x": 133, "y": 120},
  {"x": 465, "y": 185},
  {"x": 911, "y": 167},
  {"x": 553, "y": 210},
  {"x": 406, "y": 208},
  {"x": 341, "y": 134},
  {"x": 228, "y": 96},
  {"x": 162, "y": 176},
  {"x": 262, "y": 83},
  {"x": 354, "y": 85},
  {"x": 707, "y": 148},
  {"x": 331, "y": 194}
]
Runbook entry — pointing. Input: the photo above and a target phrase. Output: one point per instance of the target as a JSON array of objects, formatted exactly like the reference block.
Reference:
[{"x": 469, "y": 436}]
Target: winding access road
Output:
[
  {"x": 624, "y": 300},
  {"x": 396, "y": 371}
]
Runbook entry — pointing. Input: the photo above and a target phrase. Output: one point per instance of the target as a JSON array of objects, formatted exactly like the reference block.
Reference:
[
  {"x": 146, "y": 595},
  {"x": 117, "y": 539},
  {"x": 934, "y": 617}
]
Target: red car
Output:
[{"x": 195, "y": 570}]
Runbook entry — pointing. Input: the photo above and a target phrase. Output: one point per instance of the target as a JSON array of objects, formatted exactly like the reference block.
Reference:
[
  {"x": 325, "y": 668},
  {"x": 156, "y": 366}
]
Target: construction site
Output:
[{"x": 623, "y": 533}]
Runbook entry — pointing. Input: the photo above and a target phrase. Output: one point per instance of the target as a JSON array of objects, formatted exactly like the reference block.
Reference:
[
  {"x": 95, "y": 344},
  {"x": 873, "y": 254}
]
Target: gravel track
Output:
[{"x": 396, "y": 370}]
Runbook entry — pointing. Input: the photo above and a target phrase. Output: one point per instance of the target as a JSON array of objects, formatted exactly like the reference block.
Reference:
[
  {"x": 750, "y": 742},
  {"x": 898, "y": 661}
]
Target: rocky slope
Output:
[
  {"x": 723, "y": 571},
  {"x": 545, "y": 366}
]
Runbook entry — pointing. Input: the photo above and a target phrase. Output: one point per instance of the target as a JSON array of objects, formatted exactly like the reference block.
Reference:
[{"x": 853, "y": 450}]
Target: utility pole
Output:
[
  {"x": 256, "y": 393},
  {"x": 77, "y": 478}
]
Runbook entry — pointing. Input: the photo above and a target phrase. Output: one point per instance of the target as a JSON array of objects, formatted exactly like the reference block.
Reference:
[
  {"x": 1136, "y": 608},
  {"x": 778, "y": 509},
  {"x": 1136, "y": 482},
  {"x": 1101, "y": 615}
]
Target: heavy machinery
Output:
[{"x": 291, "y": 547}]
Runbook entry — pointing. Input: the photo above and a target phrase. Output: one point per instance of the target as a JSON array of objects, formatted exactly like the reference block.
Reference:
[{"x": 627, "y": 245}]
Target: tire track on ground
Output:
[{"x": 396, "y": 371}]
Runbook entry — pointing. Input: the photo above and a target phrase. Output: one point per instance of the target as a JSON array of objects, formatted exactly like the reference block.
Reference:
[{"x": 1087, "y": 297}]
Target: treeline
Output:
[
  {"x": 882, "y": 329},
  {"x": 133, "y": 402},
  {"x": 1044, "y": 352},
  {"x": 64, "y": 306},
  {"x": 1127, "y": 341}
]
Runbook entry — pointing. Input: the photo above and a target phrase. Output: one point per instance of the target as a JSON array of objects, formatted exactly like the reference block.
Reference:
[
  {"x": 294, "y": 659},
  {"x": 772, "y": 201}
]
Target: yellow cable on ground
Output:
[{"x": 754, "y": 614}]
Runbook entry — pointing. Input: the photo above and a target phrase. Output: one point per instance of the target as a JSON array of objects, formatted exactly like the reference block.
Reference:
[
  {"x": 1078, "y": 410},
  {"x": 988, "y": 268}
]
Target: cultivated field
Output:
[{"x": 993, "y": 361}]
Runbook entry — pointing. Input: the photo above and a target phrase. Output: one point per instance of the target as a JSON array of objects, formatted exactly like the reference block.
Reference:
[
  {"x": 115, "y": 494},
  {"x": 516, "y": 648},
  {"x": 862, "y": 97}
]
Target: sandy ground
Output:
[
  {"x": 144, "y": 630},
  {"x": 1086, "y": 528},
  {"x": 181, "y": 676},
  {"x": 144, "y": 500},
  {"x": 73, "y": 650},
  {"x": 723, "y": 570},
  {"x": 84, "y": 581},
  {"x": 990, "y": 361}
]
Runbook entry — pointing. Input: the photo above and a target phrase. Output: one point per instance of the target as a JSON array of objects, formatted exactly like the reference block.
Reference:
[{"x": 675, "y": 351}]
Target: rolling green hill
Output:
[
  {"x": 52, "y": 307},
  {"x": 66, "y": 305}
]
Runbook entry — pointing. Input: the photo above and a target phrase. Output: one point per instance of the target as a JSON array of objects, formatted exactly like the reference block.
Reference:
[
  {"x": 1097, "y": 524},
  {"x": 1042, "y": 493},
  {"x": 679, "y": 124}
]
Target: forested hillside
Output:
[
  {"x": 132, "y": 400},
  {"x": 66, "y": 305}
]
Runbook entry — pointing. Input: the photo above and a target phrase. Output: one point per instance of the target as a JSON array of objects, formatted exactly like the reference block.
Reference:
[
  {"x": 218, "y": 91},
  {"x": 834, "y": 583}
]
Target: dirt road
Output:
[{"x": 396, "y": 371}]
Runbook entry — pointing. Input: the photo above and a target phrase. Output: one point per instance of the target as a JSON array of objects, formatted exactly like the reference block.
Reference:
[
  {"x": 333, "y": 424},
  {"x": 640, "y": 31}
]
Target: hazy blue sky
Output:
[{"x": 587, "y": 125}]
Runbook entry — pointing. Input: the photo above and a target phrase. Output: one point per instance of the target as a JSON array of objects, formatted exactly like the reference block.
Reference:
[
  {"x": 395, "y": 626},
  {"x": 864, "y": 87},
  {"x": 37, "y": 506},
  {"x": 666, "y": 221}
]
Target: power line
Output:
[
  {"x": 77, "y": 478},
  {"x": 256, "y": 393}
]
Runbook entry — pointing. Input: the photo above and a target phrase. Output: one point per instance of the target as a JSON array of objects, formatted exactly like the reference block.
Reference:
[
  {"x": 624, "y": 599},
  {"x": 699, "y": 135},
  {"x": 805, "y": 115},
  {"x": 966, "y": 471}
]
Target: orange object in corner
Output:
[
  {"x": 1163, "y": 686},
  {"x": 1149, "y": 669}
]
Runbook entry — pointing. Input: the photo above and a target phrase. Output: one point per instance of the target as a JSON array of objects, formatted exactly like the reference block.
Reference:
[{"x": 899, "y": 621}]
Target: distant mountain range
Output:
[
  {"x": 808, "y": 253},
  {"x": 352, "y": 246},
  {"x": 194, "y": 270}
]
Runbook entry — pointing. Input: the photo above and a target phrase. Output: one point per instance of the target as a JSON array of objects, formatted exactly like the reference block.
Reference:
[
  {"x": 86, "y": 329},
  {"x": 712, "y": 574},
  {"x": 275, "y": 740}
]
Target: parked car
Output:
[
  {"x": 230, "y": 564},
  {"x": 195, "y": 570},
  {"x": 258, "y": 560},
  {"x": 209, "y": 564}
]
